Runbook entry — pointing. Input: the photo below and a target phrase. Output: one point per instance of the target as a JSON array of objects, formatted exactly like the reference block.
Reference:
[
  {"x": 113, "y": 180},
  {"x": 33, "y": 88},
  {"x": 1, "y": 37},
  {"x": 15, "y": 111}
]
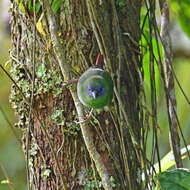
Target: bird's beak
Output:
[{"x": 94, "y": 95}]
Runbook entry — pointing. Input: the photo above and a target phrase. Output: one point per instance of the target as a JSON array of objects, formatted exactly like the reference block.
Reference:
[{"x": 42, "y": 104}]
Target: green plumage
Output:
[{"x": 95, "y": 88}]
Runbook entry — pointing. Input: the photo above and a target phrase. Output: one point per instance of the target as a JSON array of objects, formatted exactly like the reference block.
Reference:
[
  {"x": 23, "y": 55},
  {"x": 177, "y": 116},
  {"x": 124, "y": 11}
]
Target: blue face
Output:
[{"x": 95, "y": 91}]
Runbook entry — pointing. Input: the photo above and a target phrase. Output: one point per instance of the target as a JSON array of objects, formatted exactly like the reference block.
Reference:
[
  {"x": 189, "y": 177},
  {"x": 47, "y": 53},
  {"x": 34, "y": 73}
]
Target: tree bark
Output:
[{"x": 60, "y": 153}]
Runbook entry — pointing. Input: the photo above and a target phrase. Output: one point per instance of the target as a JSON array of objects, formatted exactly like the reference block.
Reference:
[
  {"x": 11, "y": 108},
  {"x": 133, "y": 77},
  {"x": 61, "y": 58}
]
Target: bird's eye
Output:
[{"x": 99, "y": 91}]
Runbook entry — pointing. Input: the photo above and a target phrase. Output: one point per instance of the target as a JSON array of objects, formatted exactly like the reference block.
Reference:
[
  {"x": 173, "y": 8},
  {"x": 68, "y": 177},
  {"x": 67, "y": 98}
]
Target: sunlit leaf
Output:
[
  {"x": 77, "y": 68},
  {"x": 5, "y": 181},
  {"x": 40, "y": 28},
  {"x": 8, "y": 64},
  {"x": 22, "y": 8},
  {"x": 168, "y": 160}
]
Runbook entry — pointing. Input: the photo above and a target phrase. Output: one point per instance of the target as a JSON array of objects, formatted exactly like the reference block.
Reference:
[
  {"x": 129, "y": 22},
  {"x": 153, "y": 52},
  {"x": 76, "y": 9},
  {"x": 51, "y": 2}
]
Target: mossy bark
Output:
[{"x": 54, "y": 146}]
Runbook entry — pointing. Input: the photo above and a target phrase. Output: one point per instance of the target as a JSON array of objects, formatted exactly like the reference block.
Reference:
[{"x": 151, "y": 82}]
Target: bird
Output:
[{"x": 95, "y": 88}]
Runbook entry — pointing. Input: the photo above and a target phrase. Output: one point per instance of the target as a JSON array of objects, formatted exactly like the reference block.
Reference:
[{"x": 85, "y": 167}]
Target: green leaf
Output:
[
  {"x": 146, "y": 40},
  {"x": 56, "y": 5},
  {"x": 30, "y": 3},
  {"x": 178, "y": 179},
  {"x": 147, "y": 62},
  {"x": 37, "y": 7}
]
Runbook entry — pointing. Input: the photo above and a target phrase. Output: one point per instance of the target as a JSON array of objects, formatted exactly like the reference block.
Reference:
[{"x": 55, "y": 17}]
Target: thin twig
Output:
[
  {"x": 6, "y": 176},
  {"x": 169, "y": 82},
  {"x": 179, "y": 85},
  {"x": 95, "y": 29},
  {"x": 28, "y": 134}
]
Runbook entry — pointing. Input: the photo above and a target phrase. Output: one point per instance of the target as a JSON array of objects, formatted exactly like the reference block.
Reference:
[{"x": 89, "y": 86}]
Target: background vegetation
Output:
[{"x": 11, "y": 156}]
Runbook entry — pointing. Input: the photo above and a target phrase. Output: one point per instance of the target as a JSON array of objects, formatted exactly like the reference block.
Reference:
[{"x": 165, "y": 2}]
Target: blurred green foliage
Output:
[
  {"x": 181, "y": 8},
  {"x": 181, "y": 68},
  {"x": 11, "y": 155}
]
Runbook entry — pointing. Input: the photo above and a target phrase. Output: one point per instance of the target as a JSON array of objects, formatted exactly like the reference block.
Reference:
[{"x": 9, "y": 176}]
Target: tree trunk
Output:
[{"x": 57, "y": 148}]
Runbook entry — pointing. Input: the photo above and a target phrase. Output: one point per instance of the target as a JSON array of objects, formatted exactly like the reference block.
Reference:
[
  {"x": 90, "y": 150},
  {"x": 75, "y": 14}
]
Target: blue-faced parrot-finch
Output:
[{"x": 95, "y": 88}]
